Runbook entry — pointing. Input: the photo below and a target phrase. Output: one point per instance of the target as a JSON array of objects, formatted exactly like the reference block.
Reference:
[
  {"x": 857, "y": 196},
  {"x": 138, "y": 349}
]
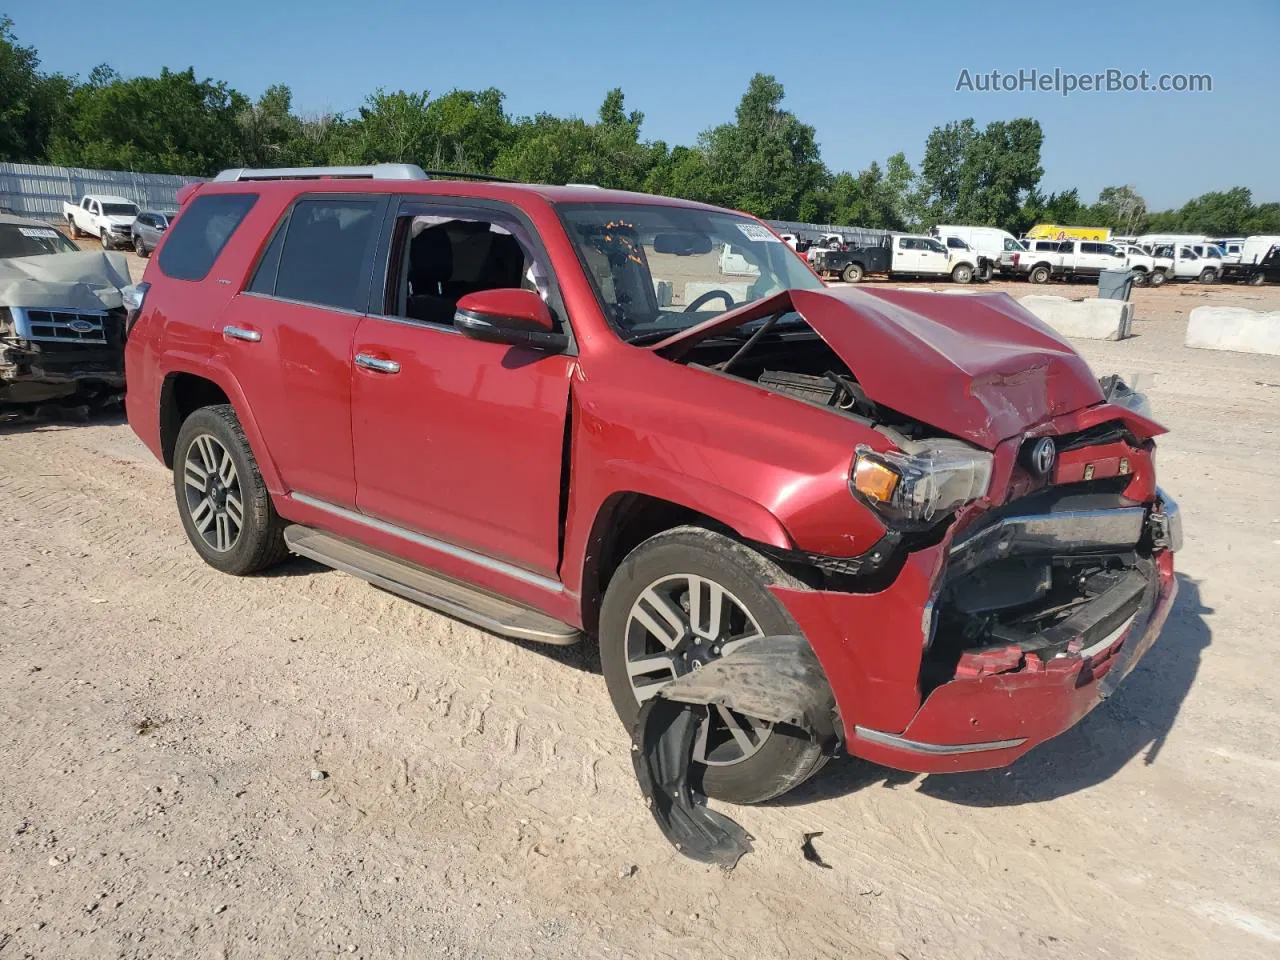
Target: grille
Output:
[{"x": 60, "y": 326}]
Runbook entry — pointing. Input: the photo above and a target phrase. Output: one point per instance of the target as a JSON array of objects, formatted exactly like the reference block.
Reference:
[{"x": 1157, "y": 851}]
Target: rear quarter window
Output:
[{"x": 201, "y": 232}]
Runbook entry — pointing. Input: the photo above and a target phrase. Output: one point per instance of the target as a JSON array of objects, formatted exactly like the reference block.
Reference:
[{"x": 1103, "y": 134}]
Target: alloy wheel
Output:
[
  {"x": 679, "y": 624},
  {"x": 212, "y": 488}
]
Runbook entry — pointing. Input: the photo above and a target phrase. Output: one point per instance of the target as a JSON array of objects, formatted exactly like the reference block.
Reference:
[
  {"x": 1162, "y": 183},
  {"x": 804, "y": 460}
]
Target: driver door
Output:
[{"x": 455, "y": 438}]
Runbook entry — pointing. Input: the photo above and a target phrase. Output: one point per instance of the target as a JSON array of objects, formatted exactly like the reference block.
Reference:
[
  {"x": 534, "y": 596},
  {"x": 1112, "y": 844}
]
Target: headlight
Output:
[
  {"x": 1118, "y": 392},
  {"x": 924, "y": 486}
]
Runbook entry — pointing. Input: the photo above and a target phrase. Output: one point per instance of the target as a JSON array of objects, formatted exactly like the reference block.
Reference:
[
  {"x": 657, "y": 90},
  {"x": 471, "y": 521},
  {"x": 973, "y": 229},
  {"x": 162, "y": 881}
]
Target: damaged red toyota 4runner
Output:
[{"x": 559, "y": 412}]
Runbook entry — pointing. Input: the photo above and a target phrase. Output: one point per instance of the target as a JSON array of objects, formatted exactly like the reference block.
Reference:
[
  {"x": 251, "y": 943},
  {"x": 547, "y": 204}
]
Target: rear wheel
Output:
[
  {"x": 1257, "y": 279},
  {"x": 963, "y": 273},
  {"x": 75, "y": 228},
  {"x": 1157, "y": 278},
  {"x": 852, "y": 273},
  {"x": 1039, "y": 275},
  {"x": 679, "y": 600},
  {"x": 223, "y": 503}
]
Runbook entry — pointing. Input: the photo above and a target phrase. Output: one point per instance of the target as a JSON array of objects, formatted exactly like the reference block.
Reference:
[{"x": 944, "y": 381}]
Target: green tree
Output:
[
  {"x": 172, "y": 123},
  {"x": 393, "y": 128},
  {"x": 981, "y": 177},
  {"x": 876, "y": 197},
  {"x": 1223, "y": 213},
  {"x": 766, "y": 161},
  {"x": 466, "y": 130},
  {"x": 1120, "y": 208},
  {"x": 30, "y": 102}
]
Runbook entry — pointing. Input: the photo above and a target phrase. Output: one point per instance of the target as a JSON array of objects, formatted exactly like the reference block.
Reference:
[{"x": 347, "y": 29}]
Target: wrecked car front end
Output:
[
  {"x": 1024, "y": 557},
  {"x": 62, "y": 329}
]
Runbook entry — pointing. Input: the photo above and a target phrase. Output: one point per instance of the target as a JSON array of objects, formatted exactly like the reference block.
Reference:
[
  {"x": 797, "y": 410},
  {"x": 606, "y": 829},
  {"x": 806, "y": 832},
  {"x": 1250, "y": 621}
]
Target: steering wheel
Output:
[{"x": 710, "y": 295}]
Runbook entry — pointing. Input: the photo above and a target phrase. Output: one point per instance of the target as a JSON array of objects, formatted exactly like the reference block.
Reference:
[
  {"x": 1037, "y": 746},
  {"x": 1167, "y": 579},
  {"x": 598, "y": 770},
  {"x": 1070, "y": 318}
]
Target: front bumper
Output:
[{"x": 1000, "y": 703}]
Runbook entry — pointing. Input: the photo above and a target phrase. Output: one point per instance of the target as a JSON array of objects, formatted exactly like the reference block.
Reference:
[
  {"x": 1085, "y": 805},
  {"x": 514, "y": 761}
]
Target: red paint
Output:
[{"x": 467, "y": 445}]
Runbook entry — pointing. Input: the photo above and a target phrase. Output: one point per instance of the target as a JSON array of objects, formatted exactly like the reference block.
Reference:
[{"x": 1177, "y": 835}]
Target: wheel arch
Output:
[
  {"x": 627, "y": 518},
  {"x": 185, "y": 390}
]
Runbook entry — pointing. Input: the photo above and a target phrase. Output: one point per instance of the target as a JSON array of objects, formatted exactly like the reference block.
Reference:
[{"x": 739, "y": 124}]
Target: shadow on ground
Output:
[{"x": 1134, "y": 722}]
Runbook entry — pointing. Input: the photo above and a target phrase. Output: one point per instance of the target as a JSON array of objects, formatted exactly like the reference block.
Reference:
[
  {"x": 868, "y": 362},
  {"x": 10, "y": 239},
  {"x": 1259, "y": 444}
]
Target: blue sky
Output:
[{"x": 873, "y": 79}]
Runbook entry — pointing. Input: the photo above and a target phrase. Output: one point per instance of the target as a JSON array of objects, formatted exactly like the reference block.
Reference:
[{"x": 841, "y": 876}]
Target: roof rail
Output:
[
  {"x": 377, "y": 171},
  {"x": 459, "y": 175}
]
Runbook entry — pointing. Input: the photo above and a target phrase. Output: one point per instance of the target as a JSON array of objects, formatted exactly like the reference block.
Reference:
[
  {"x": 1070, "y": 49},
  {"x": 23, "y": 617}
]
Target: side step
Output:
[{"x": 448, "y": 596}]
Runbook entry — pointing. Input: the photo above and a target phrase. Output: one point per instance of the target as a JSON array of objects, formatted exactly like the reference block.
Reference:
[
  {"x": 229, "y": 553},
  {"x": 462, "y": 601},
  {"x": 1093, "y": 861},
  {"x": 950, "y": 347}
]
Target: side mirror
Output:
[{"x": 517, "y": 318}]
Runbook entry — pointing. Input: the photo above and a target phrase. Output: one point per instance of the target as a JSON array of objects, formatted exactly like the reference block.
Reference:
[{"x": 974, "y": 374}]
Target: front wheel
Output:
[
  {"x": 852, "y": 273},
  {"x": 1209, "y": 275},
  {"x": 682, "y": 599},
  {"x": 223, "y": 503},
  {"x": 139, "y": 247},
  {"x": 105, "y": 239},
  {"x": 963, "y": 273}
]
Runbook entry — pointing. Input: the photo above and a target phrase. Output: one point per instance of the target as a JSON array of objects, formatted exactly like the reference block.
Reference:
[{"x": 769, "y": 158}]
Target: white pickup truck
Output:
[
  {"x": 898, "y": 255},
  {"x": 108, "y": 218},
  {"x": 1178, "y": 261}
]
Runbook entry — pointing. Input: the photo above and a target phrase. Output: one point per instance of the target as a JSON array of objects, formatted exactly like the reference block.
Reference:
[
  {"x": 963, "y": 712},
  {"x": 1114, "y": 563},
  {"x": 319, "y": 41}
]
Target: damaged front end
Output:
[{"x": 62, "y": 326}]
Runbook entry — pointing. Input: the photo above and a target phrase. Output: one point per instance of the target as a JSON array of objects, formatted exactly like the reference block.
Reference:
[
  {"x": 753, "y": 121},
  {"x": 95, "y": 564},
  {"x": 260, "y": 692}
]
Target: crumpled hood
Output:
[
  {"x": 89, "y": 280},
  {"x": 978, "y": 366}
]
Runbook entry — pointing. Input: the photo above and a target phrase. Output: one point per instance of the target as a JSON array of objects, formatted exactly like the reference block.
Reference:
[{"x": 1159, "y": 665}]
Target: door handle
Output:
[
  {"x": 242, "y": 333},
  {"x": 377, "y": 364}
]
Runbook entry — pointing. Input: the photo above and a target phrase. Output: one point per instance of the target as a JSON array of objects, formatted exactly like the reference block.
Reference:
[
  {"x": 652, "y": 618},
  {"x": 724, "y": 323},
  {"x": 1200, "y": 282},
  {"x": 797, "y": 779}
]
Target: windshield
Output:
[
  {"x": 21, "y": 241},
  {"x": 119, "y": 210},
  {"x": 658, "y": 269}
]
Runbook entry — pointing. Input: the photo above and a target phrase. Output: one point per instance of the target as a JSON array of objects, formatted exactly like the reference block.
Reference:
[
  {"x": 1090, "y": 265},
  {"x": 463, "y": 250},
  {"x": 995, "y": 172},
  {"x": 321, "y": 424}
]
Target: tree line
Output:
[{"x": 765, "y": 160}]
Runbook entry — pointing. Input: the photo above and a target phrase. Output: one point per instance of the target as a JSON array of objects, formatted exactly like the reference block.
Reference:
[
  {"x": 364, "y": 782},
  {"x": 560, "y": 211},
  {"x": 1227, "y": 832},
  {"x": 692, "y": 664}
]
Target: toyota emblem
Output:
[{"x": 1042, "y": 455}]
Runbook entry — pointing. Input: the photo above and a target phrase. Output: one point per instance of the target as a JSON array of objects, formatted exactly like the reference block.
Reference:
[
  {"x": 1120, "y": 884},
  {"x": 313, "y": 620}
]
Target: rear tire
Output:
[
  {"x": 1139, "y": 278},
  {"x": 852, "y": 273},
  {"x": 224, "y": 505},
  {"x": 1039, "y": 275},
  {"x": 1257, "y": 279},
  {"x": 1157, "y": 278},
  {"x": 75, "y": 228},
  {"x": 783, "y": 757}
]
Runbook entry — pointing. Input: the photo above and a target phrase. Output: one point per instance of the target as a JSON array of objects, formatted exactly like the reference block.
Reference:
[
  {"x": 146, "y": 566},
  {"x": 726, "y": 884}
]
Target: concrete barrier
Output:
[
  {"x": 734, "y": 288},
  {"x": 1234, "y": 328},
  {"x": 662, "y": 289},
  {"x": 1087, "y": 319}
]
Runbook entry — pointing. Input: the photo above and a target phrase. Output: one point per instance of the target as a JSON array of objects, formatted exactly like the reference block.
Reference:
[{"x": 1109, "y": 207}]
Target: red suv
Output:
[{"x": 562, "y": 411}]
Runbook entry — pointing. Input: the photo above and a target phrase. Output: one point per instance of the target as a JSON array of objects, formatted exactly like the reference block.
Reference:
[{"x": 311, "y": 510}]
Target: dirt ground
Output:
[{"x": 162, "y": 722}]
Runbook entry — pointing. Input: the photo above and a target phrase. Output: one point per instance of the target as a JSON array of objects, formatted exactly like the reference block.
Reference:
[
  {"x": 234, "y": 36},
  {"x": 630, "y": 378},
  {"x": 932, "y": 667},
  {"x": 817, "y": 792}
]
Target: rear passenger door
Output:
[
  {"x": 287, "y": 338},
  {"x": 458, "y": 439}
]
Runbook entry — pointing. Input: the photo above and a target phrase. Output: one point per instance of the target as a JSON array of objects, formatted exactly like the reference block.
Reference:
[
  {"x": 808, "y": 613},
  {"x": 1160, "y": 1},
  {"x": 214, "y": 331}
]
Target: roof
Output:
[
  {"x": 16, "y": 221},
  {"x": 106, "y": 198}
]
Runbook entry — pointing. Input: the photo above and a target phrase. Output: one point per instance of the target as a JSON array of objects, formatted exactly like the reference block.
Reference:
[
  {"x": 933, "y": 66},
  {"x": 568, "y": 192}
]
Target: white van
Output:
[
  {"x": 989, "y": 242},
  {"x": 1254, "y": 249},
  {"x": 734, "y": 264}
]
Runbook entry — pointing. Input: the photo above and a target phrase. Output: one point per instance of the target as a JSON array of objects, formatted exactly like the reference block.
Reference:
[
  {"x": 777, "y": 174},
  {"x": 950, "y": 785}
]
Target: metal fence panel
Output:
[
  {"x": 812, "y": 231},
  {"x": 38, "y": 190}
]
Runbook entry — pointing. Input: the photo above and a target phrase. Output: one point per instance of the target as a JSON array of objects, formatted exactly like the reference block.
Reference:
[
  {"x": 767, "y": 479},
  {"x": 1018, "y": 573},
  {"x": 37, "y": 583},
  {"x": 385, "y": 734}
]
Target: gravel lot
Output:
[{"x": 162, "y": 724}]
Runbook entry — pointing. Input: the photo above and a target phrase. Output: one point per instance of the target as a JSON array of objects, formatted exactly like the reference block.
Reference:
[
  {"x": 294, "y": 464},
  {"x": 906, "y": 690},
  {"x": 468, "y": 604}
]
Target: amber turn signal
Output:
[{"x": 875, "y": 481}]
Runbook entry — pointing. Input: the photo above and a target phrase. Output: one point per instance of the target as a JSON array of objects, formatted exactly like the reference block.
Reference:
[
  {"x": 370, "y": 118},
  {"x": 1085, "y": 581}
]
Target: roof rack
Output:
[
  {"x": 377, "y": 171},
  {"x": 459, "y": 175}
]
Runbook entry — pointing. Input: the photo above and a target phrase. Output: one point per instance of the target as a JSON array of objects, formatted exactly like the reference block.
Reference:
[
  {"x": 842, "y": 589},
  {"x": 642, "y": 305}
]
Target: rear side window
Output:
[
  {"x": 327, "y": 253},
  {"x": 200, "y": 234}
]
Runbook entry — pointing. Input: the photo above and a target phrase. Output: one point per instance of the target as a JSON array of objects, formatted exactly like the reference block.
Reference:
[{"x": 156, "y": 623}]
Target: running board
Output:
[{"x": 477, "y": 607}]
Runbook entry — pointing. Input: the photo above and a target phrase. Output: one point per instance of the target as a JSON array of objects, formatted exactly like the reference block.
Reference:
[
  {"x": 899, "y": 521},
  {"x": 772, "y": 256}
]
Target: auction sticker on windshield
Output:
[
  {"x": 38, "y": 232},
  {"x": 754, "y": 231}
]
